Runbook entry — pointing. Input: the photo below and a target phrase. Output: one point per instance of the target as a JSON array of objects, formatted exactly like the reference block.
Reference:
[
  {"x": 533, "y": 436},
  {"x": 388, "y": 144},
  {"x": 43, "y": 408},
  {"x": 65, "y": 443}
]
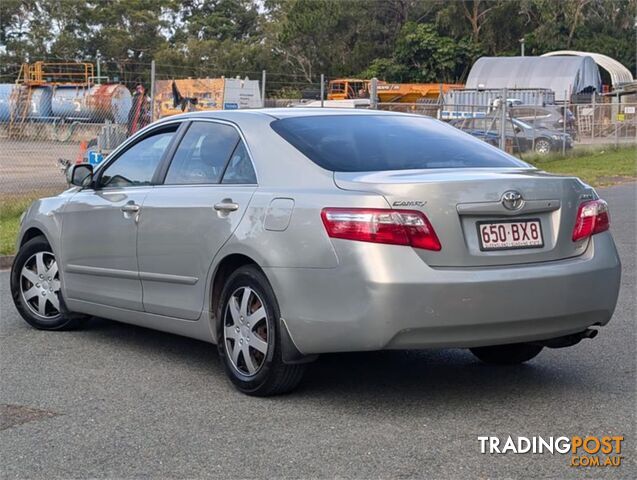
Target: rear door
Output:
[{"x": 186, "y": 220}]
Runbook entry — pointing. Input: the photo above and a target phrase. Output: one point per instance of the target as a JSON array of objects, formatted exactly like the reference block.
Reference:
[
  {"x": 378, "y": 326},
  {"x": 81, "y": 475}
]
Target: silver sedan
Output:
[{"x": 282, "y": 234}]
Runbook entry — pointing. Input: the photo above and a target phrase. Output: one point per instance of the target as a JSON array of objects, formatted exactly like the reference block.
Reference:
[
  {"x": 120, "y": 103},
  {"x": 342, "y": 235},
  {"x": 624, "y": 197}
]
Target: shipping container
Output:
[{"x": 465, "y": 103}]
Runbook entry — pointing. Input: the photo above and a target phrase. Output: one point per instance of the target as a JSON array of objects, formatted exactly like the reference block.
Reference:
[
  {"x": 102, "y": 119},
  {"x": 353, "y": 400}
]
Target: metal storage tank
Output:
[
  {"x": 97, "y": 104},
  {"x": 5, "y": 101},
  {"x": 69, "y": 102},
  {"x": 39, "y": 103},
  {"x": 110, "y": 102}
]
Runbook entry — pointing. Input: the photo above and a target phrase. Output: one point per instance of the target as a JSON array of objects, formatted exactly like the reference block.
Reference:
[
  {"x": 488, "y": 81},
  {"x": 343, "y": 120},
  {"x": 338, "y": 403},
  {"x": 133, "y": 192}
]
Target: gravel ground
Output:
[
  {"x": 29, "y": 167},
  {"x": 118, "y": 401}
]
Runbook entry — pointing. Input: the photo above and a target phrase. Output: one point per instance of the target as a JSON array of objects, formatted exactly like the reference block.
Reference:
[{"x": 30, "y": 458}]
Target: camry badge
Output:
[{"x": 512, "y": 200}]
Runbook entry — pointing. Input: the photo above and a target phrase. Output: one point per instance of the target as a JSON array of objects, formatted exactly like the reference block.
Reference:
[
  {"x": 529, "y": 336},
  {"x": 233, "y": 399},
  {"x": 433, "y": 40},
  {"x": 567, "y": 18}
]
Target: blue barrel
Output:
[
  {"x": 70, "y": 102},
  {"x": 5, "y": 101},
  {"x": 39, "y": 102}
]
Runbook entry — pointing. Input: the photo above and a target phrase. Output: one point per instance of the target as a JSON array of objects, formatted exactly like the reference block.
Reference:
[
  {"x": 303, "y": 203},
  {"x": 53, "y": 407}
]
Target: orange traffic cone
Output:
[{"x": 80, "y": 155}]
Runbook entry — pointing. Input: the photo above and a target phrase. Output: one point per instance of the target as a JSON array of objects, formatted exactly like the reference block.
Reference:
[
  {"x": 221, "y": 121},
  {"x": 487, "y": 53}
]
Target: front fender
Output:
[{"x": 44, "y": 215}]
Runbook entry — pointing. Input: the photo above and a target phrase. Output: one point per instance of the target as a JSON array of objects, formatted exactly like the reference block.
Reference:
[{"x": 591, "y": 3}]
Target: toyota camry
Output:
[{"x": 281, "y": 234}]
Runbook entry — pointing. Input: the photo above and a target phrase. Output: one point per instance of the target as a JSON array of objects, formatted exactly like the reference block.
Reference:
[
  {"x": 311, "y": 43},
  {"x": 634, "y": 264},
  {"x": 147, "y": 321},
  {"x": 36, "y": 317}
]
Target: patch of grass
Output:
[
  {"x": 597, "y": 167},
  {"x": 10, "y": 212}
]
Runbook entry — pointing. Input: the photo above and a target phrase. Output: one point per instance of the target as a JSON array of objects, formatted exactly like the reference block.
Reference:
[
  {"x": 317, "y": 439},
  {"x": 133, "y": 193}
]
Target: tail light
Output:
[
  {"x": 592, "y": 218},
  {"x": 394, "y": 227}
]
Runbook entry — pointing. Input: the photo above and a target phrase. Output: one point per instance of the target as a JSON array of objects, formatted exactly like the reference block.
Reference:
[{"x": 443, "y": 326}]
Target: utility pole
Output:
[
  {"x": 263, "y": 89},
  {"x": 567, "y": 98},
  {"x": 99, "y": 67},
  {"x": 152, "y": 91},
  {"x": 373, "y": 94},
  {"x": 503, "y": 119},
  {"x": 322, "y": 89}
]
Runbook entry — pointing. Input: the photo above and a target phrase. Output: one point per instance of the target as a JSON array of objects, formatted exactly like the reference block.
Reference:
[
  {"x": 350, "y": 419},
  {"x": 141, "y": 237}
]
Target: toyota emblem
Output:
[{"x": 512, "y": 200}]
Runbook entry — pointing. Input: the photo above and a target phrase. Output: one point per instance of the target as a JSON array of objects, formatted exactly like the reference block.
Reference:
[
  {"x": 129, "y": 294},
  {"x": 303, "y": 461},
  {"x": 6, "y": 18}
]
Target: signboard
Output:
[
  {"x": 95, "y": 158},
  {"x": 453, "y": 115},
  {"x": 207, "y": 91},
  {"x": 206, "y": 94},
  {"x": 241, "y": 94},
  {"x": 629, "y": 110}
]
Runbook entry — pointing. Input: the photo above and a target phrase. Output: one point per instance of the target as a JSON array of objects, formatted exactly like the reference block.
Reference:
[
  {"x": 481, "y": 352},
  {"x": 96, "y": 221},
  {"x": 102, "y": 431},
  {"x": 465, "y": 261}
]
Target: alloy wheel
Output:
[
  {"x": 245, "y": 331},
  {"x": 40, "y": 285},
  {"x": 543, "y": 147}
]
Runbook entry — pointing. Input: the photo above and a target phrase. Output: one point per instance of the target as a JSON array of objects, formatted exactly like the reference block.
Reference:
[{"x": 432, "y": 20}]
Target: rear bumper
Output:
[{"x": 386, "y": 297}]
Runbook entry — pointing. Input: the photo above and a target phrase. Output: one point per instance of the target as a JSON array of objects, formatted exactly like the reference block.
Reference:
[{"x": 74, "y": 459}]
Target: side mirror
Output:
[{"x": 80, "y": 174}]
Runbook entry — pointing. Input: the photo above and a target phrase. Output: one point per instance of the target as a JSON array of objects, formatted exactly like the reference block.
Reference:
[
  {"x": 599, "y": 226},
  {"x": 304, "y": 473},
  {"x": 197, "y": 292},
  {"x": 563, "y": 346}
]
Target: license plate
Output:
[{"x": 510, "y": 234}]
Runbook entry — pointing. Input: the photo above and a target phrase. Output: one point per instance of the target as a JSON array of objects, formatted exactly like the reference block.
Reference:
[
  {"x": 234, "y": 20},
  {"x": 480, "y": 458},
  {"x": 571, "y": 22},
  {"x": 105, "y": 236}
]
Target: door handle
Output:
[
  {"x": 131, "y": 208},
  {"x": 227, "y": 206}
]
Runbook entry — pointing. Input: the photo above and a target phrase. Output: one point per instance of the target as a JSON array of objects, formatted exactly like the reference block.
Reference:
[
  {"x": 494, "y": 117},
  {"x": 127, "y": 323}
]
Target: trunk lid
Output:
[{"x": 456, "y": 200}]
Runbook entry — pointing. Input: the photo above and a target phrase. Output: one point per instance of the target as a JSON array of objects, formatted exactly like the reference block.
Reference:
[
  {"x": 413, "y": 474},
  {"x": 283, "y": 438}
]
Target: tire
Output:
[
  {"x": 254, "y": 368},
  {"x": 507, "y": 354},
  {"x": 542, "y": 146},
  {"x": 35, "y": 288}
]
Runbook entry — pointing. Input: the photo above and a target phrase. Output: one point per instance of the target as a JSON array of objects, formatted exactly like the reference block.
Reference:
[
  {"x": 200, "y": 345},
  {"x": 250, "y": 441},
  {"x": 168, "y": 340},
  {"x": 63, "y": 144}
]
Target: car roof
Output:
[{"x": 279, "y": 113}]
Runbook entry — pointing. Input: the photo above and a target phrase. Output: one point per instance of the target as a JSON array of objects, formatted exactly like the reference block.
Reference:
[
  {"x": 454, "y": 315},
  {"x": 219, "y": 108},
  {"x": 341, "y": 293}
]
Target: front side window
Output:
[
  {"x": 136, "y": 166},
  {"x": 202, "y": 154}
]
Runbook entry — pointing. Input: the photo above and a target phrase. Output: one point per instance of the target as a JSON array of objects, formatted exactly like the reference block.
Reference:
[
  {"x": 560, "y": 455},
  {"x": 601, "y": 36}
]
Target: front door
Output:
[
  {"x": 186, "y": 221},
  {"x": 99, "y": 226}
]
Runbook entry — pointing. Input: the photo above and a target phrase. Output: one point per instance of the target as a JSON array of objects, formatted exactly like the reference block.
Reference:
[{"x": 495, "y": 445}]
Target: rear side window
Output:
[
  {"x": 239, "y": 169},
  {"x": 202, "y": 154},
  {"x": 363, "y": 143}
]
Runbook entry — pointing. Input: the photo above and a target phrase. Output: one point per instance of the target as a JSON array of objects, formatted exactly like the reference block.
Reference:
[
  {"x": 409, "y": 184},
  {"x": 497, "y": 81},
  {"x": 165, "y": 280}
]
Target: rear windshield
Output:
[{"x": 363, "y": 143}]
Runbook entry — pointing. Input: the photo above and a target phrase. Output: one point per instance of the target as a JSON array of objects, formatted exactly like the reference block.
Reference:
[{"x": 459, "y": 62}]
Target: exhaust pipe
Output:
[
  {"x": 568, "y": 340},
  {"x": 589, "y": 333}
]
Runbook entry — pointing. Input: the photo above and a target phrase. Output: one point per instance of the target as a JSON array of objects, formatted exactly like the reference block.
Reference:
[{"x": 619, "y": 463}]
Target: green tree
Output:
[
  {"x": 423, "y": 55},
  {"x": 297, "y": 40}
]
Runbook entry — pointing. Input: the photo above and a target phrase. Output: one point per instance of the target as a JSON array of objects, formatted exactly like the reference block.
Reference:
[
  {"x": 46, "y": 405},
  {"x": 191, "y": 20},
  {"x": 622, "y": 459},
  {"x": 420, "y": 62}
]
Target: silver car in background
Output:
[{"x": 281, "y": 234}]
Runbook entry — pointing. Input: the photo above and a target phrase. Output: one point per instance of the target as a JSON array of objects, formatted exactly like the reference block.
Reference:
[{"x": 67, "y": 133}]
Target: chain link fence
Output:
[
  {"x": 606, "y": 123},
  {"x": 40, "y": 137},
  {"x": 45, "y": 128},
  {"x": 530, "y": 127}
]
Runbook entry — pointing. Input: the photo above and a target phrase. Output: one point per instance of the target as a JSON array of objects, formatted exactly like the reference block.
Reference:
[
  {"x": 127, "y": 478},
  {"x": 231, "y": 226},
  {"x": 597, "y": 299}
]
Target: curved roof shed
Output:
[
  {"x": 562, "y": 74},
  {"x": 619, "y": 74}
]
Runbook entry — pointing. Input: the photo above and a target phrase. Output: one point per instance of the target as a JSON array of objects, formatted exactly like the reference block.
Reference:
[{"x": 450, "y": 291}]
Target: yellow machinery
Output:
[
  {"x": 351, "y": 88},
  {"x": 412, "y": 92},
  {"x": 68, "y": 74},
  {"x": 348, "y": 89}
]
